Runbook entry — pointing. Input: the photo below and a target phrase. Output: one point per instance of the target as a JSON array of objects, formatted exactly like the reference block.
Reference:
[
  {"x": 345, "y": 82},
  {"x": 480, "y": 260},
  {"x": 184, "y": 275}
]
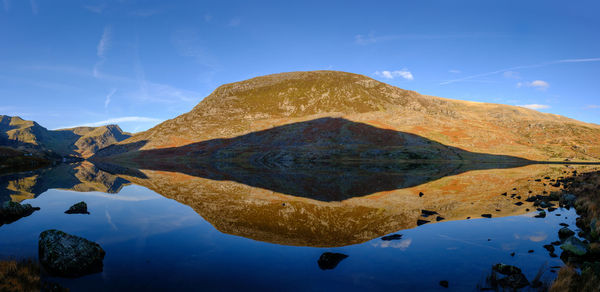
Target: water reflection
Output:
[
  {"x": 154, "y": 238},
  {"x": 392, "y": 197},
  {"x": 81, "y": 177}
]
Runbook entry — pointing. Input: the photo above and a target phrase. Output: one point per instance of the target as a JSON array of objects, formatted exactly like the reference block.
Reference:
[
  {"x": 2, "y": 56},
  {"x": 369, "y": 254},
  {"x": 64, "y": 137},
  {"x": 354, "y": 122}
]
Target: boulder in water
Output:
[
  {"x": 67, "y": 255},
  {"x": 79, "y": 208}
]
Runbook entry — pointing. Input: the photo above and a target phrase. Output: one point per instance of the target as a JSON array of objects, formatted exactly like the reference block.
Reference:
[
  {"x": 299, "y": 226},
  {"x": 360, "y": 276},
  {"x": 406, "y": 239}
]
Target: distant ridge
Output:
[
  {"x": 81, "y": 142},
  {"x": 266, "y": 102}
]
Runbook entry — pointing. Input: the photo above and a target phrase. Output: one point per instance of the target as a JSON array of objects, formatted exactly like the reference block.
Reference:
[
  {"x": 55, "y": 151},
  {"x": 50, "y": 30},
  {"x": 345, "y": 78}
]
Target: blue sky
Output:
[{"x": 136, "y": 63}]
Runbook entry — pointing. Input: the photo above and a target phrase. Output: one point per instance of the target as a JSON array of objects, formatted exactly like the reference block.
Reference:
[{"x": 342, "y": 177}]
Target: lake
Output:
[{"x": 319, "y": 227}]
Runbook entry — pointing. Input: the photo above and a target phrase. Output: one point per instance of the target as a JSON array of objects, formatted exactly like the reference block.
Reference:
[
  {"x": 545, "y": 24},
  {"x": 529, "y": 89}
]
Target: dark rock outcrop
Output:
[
  {"x": 66, "y": 255},
  {"x": 79, "y": 208},
  {"x": 13, "y": 211},
  {"x": 330, "y": 260}
]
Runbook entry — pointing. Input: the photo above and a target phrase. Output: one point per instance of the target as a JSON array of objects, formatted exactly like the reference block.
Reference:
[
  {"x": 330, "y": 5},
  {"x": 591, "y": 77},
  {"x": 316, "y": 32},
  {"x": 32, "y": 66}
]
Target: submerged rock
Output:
[
  {"x": 392, "y": 237},
  {"x": 565, "y": 233},
  {"x": 67, "y": 255},
  {"x": 514, "y": 277},
  {"x": 567, "y": 199},
  {"x": 444, "y": 283},
  {"x": 421, "y": 222},
  {"x": 541, "y": 214},
  {"x": 514, "y": 281},
  {"x": 486, "y": 215},
  {"x": 330, "y": 260},
  {"x": 79, "y": 208},
  {"x": 506, "y": 269},
  {"x": 549, "y": 247},
  {"x": 13, "y": 211},
  {"x": 574, "y": 246}
]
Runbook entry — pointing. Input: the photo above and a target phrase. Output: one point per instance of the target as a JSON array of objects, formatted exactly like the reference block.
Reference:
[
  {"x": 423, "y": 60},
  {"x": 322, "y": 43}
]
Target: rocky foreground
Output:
[{"x": 582, "y": 270}]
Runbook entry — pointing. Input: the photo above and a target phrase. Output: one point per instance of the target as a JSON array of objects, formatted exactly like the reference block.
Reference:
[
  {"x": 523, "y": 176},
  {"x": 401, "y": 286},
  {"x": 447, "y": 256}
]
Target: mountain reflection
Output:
[
  {"x": 81, "y": 177},
  {"x": 321, "y": 205},
  {"x": 389, "y": 198},
  {"x": 326, "y": 181}
]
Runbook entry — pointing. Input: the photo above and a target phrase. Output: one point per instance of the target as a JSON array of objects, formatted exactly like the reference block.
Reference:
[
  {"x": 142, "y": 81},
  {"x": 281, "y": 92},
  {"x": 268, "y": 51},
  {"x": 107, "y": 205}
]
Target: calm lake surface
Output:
[{"x": 244, "y": 229}]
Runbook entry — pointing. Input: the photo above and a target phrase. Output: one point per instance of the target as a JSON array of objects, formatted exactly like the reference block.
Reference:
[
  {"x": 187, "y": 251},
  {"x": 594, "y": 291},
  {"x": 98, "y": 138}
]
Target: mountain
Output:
[
  {"x": 318, "y": 102},
  {"x": 78, "y": 142}
]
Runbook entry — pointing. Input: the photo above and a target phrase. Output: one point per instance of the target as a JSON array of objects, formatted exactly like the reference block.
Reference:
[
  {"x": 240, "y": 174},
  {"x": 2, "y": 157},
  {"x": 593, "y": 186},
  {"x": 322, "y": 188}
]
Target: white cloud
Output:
[
  {"x": 371, "y": 38},
  {"x": 538, "y": 84},
  {"x": 117, "y": 121},
  {"x": 404, "y": 73},
  {"x": 521, "y": 67},
  {"x": 454, "y": 71},
  {"x": 401, "y": 245},
  {"x": 107, "y": 100},
  {"x": 104, "y": 43},
  {"x": 535, "y": 106},
  {"x": 234, "y": 22},
  {"x": 511, "y": 75},
  {"x": 95, "y": 8},
  {"x": 146, "y": 12},
  {"x": 34, "y": 7}
]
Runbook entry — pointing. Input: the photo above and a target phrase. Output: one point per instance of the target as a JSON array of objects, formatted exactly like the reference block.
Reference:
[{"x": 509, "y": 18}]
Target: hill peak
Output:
[{"x": 295, "y": 94}]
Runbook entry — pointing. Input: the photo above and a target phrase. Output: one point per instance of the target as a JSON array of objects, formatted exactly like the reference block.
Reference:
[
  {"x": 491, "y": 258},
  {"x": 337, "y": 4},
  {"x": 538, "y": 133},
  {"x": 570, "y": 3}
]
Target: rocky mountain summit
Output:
[
  {"x": 81, "y": 142},
  {"x": 328, "y": 108}
]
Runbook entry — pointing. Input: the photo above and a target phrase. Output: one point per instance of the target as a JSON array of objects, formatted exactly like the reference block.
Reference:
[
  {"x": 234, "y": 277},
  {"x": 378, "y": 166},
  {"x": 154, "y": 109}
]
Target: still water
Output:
[{"x": 168, "y": 230}]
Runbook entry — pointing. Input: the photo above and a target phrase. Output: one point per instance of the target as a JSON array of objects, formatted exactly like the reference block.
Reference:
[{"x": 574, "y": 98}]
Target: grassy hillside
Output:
[{"x": 267, "y": 102}]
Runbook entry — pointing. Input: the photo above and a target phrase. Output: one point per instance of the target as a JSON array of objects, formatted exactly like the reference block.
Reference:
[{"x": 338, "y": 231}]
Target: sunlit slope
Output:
[
  {"x": 81, "y": 141},
  {"x": 269, "y": 101}
]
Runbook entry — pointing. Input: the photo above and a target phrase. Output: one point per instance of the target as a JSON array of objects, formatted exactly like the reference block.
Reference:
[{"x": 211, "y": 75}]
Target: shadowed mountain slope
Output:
[
  {"x": 352, "y": 159},
  {"x": 79, "y": 142},
  {"x": 270, "y": 101}
]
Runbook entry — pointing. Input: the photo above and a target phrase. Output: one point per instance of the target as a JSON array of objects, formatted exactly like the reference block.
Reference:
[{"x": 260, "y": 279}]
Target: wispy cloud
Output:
[
  {"x": 538, "y": 84},
  {"x": 95, "y": 8},
  {"x": 104, "y": 43},
  {"x": 454, "y": 71},
  {"x": 404, "y": 73},
  {"x": 146, "y": 12},
  {"x": 102, "y": 49},
  {"x": 371, "y": 38},
  {"x": 511, "y": 75},
  {"x": 519, "y": 68},
  {"x": 189, "y": 44},
  {"x": 234, "y": 22},
  {"x": 34, "y": 7},
  {"x": 108, "y": 97},
  {"x": 535, "y": 106},
  {"x": 111, "y": 121},
  {"x": 144, "y": 90}
]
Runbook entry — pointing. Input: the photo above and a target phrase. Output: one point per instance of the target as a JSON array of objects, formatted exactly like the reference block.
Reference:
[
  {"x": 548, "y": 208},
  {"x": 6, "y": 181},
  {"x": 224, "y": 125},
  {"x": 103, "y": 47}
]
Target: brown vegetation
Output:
[{"x": 269, "y": 101}]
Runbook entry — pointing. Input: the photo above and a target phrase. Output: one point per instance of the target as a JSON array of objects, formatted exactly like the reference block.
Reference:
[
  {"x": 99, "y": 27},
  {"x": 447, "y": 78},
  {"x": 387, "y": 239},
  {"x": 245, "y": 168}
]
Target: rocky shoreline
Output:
[{"x": 582, "y": 269}]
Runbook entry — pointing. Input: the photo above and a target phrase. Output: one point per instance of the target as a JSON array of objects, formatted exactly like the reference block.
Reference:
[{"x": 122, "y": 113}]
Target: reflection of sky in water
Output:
[{"x": 157, "y": 243}]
